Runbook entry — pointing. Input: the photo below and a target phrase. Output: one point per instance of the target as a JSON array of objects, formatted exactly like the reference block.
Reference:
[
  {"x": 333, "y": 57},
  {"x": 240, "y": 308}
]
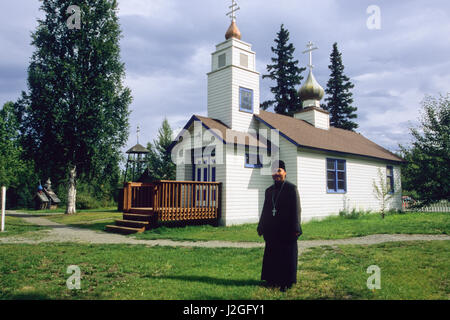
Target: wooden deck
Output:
[{"x": 168, "y": 201}]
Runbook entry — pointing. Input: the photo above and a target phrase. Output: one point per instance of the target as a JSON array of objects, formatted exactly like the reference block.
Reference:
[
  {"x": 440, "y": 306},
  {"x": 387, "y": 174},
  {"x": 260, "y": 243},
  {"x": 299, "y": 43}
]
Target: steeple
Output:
[
  {"x": 233, "y": 30},
  {"x": 233, "y": 83},
  {"x": 310, "y": 94}
]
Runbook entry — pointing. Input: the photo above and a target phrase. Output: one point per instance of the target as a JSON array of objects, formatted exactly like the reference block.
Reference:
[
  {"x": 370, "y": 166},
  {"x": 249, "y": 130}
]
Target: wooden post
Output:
[
  {"x": 219, "y": 203},
  {"x": 3, "y": 207},
  {"x": 127, "y": 198}
]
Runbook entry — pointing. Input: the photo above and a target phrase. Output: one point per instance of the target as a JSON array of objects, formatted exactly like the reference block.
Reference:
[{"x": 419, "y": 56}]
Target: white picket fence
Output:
[{"x": 441, "y": 206}]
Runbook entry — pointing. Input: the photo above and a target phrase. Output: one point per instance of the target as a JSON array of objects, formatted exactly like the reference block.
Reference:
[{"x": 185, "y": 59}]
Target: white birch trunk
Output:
[{"x": 72, "y": 192}]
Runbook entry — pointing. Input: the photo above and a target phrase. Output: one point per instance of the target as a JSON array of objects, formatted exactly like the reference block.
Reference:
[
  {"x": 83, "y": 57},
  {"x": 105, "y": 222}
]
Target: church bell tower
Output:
[{"x": 233, "y": 83}]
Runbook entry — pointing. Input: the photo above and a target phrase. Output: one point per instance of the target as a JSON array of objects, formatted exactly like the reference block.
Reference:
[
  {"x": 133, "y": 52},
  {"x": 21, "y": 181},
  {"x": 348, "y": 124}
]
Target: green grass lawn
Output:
[
  {"x": 91, "y": 219},
  {"x": 95, "y": 219},
  {"x": 409, "y": 270},
  {"x": 62, "y": 210},
  {"x": 334, "y": 227},
  {"x": 15, "y": 226},
  {"x": 330, "y": 228}
]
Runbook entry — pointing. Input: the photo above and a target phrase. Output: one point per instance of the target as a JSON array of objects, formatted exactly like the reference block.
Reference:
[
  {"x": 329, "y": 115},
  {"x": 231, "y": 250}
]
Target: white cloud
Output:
[
  {"x": 167, "y": 45},
  {"x": 164, "y": 10}
]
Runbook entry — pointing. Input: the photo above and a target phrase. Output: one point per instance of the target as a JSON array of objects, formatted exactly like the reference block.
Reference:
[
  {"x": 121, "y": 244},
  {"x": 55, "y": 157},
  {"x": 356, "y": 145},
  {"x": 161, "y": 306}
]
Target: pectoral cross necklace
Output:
[{"x": 274, "y": 202}]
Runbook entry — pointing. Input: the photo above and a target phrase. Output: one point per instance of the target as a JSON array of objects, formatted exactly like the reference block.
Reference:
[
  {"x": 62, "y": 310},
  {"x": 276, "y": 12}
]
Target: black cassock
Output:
[{"x": 281, "y": 252}]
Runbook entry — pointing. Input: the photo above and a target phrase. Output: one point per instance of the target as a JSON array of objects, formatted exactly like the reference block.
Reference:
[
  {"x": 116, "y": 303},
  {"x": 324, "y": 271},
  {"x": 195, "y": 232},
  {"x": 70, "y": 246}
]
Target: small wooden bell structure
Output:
[{"x": 136, "y": 161}]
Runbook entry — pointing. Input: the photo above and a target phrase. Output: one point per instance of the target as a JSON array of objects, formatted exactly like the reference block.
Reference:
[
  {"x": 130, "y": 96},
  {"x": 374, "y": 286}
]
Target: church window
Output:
[
  {"x": 246, "y": 100},
  {"x": 336, "y": 176},
  {"x": 390, "y": 178},
  {"x": 244, "y": 60},
  {"x": 222, "y": 60},
  {"x": 213, "y": 174},
  {"x": 252, "y": 158}
]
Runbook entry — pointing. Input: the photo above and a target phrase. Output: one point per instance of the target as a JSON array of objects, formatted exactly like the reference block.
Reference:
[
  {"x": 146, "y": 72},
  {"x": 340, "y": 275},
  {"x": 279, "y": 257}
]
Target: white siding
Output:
[
  {"x": 322, "y": 120},
  {"x": 242, "y": 120},
  {"x": 244, "y": 189},
  {"x": 360, "y": 174},
  {"x": 224, "y": 84},
  {"x": 236, "y": 58},
  {"x": 184, "y": 172},
  {"x": 219, "y": 95},
  {"x": 180, "y": 175},
  {"x": 215, "y": 59},
  {"x": 307, "y": 116},
  {"x": 316, "y": 118}
]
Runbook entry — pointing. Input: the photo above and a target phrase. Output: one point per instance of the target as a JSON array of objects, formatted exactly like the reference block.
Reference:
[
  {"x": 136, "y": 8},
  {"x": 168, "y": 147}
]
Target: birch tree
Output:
[
  {"x": 382, "y": 191},
  {"x": 74, "y": 117}
]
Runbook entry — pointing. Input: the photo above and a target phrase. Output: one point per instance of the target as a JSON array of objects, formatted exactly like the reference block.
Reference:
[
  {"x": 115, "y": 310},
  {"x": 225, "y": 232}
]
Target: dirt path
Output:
[{"x": 63, "y": 233}]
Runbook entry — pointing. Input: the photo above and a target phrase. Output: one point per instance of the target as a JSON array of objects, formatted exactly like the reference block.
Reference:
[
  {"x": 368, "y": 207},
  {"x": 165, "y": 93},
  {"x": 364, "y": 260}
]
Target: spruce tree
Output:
[
  {"x": 426, "y": 171},
  {"x": 12, "y": 167},
  {"x": 74, "y": 117},
  {"x": 286, "y": 73},
  {"x": 159, "y": 160},
  {"x": 339, "y": 97}
]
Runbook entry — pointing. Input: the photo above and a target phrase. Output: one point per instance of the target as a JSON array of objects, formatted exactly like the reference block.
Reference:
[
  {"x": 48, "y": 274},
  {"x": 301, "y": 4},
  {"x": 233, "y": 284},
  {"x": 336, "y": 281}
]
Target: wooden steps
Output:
[
  {"x": 123, "y": 230},
  {"x": 137, "y": 217},
  {"x": 132, "y": 223}
]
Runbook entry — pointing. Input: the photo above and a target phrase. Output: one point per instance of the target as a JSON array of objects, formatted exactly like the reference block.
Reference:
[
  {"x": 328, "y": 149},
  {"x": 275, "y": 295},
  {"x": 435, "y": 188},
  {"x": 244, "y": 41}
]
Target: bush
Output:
[
  {"x": 88, "y": 196},
  {"x": 352, "y": 214}
]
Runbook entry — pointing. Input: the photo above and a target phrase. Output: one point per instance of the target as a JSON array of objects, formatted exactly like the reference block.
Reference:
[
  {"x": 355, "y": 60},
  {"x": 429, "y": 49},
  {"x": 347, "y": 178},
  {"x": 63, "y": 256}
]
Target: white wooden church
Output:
[{"x": 334, "y": 169}]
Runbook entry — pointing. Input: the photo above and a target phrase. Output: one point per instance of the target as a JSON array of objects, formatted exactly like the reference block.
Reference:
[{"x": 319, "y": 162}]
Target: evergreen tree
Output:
[
  {"x": 287, "y": 75},
  {"x": 12, "y": 167},
  {"x": 74, "y": 118},
  {"x": 15, "y": 173},
  {"x": 339, "y": 100},
  {"x": 426, "y": 172},
  {"x": 160, "y": 163}
]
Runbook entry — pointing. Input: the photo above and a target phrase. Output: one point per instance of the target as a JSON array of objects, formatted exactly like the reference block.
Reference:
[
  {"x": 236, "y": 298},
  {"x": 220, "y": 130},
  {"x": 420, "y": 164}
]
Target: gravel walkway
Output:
[{"x": 63, "y": 233}]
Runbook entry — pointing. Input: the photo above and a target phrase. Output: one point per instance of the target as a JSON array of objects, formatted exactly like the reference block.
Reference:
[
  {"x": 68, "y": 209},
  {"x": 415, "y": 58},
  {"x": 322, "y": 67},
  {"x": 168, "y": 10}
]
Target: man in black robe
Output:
[{"x": 280, "y": 225}]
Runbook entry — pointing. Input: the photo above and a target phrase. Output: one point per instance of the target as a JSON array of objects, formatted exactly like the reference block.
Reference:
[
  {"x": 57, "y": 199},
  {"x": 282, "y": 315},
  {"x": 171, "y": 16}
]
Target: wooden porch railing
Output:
[{"x": 174, "y": 200}]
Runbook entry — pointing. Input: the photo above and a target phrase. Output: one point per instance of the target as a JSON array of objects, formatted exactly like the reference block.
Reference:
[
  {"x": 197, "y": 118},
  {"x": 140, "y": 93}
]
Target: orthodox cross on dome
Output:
[
  {"x": 233, "y": 8},
  {"x": 310, "y": 49}
]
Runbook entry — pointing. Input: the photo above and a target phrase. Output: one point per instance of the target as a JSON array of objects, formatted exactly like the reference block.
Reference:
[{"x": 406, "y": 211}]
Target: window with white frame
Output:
[{"x": 252, "y": 157}]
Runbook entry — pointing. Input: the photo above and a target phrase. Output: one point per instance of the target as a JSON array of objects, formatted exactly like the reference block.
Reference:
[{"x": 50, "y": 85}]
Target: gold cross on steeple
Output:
[{"x": 233, "y": 8}]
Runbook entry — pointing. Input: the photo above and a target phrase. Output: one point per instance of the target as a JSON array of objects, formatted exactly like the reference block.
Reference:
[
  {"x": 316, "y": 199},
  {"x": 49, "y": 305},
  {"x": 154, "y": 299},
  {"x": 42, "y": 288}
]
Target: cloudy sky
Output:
[{"x": 167, "y": 46}]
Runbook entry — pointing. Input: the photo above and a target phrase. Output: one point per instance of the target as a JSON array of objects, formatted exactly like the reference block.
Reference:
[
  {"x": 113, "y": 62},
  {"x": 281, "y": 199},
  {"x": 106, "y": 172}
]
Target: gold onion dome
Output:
[
  {"x": 233, "y": 32},
  {"x": 311, "y": 89}
]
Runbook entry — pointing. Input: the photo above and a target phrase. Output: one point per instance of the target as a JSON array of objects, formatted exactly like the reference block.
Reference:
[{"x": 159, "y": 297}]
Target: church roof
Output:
[
  {"x": 138, "y": 149},
  {"x": 231, "y": 136},
  {"x": 303, "y": 134},
  {"x": 224, "y": 133}
]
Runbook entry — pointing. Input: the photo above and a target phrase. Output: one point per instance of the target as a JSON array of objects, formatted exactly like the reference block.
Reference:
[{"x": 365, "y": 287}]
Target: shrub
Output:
[
  {"x": 352, "y": 214},
  {"x": 88, "y": 196}
]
